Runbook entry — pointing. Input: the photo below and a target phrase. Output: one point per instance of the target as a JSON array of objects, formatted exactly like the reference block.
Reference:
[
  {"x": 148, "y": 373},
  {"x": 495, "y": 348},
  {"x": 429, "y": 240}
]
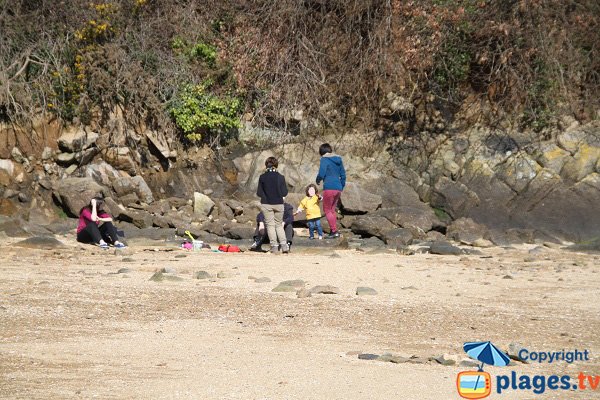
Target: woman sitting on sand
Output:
[{"x": 89, "y": 229}]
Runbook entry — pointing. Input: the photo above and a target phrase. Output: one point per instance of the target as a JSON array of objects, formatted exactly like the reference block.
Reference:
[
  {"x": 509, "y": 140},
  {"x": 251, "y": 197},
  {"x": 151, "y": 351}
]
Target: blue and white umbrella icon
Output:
[{"x": 487, "y": 353}]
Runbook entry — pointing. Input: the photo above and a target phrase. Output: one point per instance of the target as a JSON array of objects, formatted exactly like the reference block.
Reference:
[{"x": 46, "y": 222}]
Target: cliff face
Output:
[{"x": 469, "y": 185}]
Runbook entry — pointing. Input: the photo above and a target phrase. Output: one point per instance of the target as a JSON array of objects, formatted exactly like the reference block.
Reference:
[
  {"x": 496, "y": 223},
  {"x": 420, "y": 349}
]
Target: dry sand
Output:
[{"x": 72, "y": 328}]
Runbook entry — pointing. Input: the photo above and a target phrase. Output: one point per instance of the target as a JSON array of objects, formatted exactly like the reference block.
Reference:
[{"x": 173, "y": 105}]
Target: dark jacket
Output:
[
  {"x": 271, "y": 188},
  {"x": 332, "y": 172}
]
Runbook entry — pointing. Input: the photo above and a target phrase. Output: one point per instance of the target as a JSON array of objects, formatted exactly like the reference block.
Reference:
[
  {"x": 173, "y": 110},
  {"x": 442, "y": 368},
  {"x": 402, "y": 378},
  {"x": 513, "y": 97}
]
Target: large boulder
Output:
[
  {"x": 159, "y": 207},
  {"x": 398, "y": 237},
  {"x": 466, "y": 231},
  {"x": 74, "y": 193},
  {"x": 76, "y": 139},
  {"x": 453, "y": 197},
  {"x": 394, "y": 192},
  {"x": 419, "y": 220},
  {"x": 101, "y": 172},
  {"x": 159, "y": 142},
  {"x": 239, "y": 231},
  {"x": 141, "y": 219},
  {"x": 128, "y": 185},
  {"x": 203, "y": 205},
  {"x": 372, "y": 225},
  {"x": 121, "y": 158},
  {"x": 357, "y": 200}
]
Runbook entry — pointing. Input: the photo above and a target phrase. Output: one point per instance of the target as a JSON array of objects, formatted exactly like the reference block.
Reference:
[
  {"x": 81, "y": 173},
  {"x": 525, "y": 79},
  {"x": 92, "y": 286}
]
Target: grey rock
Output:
[
  {"x": 158, "y": 140},
  {"x": 392, "y": 358},
  {"x": 365, "y": 291},
  {"x": 65, "y": 159},
  {"x": 75, "y": 193},
  {"x": 203, "y": 205},
  {"x": 202, "y": 275},
  {"x": 160, "y": 277},
  {"x": 368, "y": 356},
  {"x": 447, "y": 359},
  {"x": 357, "y": 200},
  {"x": 124, "y": 186},
  {"x": 398, "y": 237},
  {"x": 225, "y": 210},
  {"x": 466, "y": 231},
  {"x": 121, "y": 158},
  {"x": 40, "y": 242},
  {"x": 289, "y": 286},
  {"x": 264, "y": 279},
  {"x": 372, "y": 243},
  {"x": 236, "y": 206},
  {"x": 453, "y": 197},
  {"x": 160, "y": 207},
  {"x": 325, "y": 289},
  {"x": 419, "y": 220},
  {"x": 177, "y": 202},
  {"x": 445, "y": 248},
  {"x": 124, "y": 270},
  {"x": 418, "y": 360},
  {"x": 468, "y": 363},
  {"x": 238, "y": 231},
  {"x": 372, "y": 225},
  {"x": 140, "y": 219},
  {"x": 76, "y": 139}
]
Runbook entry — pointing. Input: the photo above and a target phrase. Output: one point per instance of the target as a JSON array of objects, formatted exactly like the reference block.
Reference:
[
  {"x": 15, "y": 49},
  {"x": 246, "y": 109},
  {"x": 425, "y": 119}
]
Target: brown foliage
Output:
[{"x": 333, "y": 59}]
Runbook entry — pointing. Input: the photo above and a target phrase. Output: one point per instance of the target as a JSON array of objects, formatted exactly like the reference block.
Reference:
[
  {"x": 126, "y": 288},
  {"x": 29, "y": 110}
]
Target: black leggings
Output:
[{"x": 92, "y": 233}]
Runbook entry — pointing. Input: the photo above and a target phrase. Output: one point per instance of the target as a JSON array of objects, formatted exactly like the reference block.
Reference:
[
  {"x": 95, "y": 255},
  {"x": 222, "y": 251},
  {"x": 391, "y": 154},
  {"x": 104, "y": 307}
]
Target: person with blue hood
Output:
[{"x": 333, "y": 176}]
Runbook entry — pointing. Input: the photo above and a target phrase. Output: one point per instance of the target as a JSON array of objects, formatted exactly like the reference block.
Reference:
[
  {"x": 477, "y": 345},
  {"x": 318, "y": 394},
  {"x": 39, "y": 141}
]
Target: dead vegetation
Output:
[{"x": 331, "y": 62}]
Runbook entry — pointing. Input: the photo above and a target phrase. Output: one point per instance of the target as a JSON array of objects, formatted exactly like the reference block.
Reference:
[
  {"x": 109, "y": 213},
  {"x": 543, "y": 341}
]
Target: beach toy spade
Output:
[
  {"x": 196, "y": 243},
  {"x": 487, "y": 353}
]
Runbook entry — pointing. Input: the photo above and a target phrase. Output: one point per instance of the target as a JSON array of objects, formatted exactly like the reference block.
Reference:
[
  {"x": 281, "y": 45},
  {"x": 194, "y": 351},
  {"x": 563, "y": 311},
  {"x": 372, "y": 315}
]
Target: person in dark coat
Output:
[{"x": 271, "y": 190}]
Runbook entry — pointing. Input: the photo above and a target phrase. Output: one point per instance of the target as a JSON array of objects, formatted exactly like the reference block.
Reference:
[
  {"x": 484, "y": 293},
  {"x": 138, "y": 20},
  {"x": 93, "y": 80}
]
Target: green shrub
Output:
[
  {"x": 198, "y": 112},
  {"x": 198, "y": 51}
]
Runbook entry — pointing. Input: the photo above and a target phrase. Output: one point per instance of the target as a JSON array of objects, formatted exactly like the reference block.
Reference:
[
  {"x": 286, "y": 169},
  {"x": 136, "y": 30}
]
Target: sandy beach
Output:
[{"x": 72, "y": 327}]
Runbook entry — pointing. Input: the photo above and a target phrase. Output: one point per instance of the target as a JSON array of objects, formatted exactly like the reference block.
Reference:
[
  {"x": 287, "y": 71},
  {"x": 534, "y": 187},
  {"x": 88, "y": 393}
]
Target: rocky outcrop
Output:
[
  {"x": 72, "y": 194},
  {"x": 472, "y": 186},
  {"x": 357, "y": 200},
  {"x": 516, "y": 181}
]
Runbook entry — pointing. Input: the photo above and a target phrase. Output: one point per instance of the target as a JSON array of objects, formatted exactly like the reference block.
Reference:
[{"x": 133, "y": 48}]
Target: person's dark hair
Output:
[
  {"x": 325, "y": 148},
  {"x": 312, "y": 185},
  {"x": 271, "y": 162},
  {"x": 99, "y": 203}
]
